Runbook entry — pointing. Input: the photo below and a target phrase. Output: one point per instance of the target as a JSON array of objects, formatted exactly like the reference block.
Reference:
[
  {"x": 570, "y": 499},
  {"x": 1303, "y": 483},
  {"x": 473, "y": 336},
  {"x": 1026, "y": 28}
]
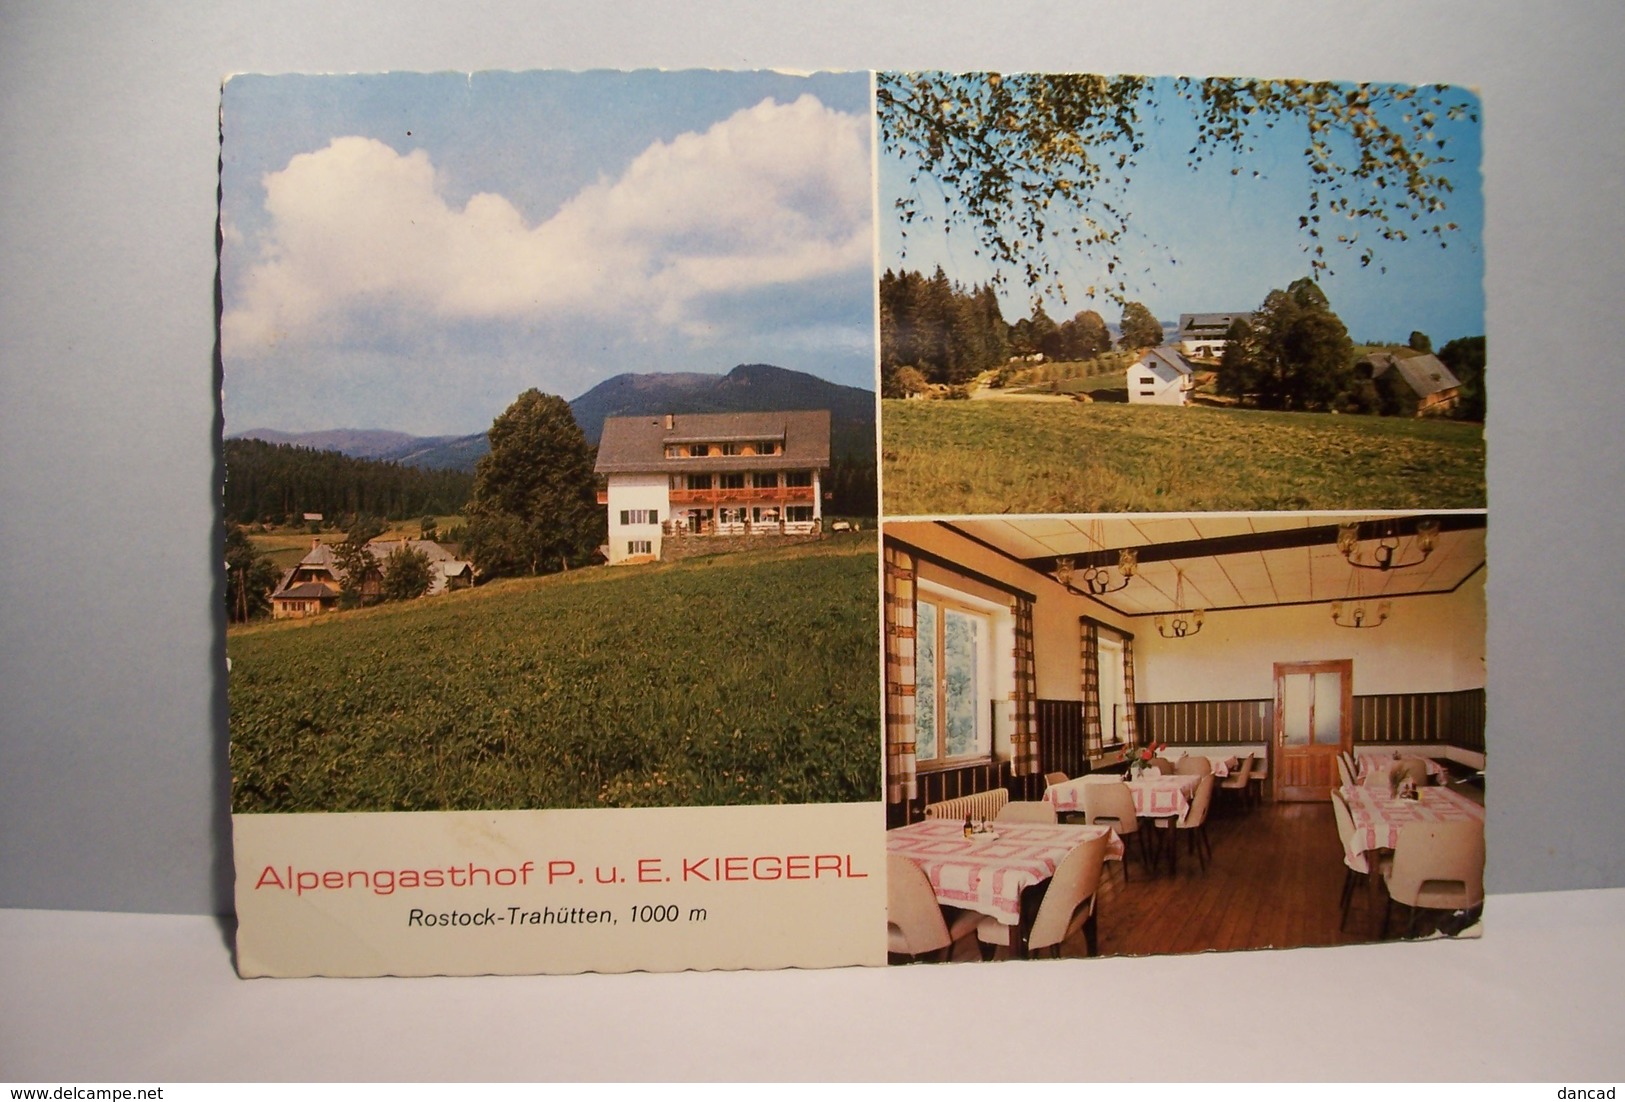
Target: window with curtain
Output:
[
  {"x": 1107, "y": 663},
  {"x": 953, "y": 681}
]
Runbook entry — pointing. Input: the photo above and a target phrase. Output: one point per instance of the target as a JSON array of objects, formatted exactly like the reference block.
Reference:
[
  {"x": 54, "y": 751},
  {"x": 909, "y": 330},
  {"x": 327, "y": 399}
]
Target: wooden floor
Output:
[{"x": 1274, "y": 881}]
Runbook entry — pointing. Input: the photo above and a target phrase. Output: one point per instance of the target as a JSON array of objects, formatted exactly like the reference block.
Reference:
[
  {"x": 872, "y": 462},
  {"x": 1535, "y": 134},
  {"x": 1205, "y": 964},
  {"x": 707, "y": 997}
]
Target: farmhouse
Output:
[
  {"x": 1278, "y": 669},
  {"x": 312, "y": 587},
  {"x": 1160, "y": 377},
  {"x": 710, "y": 476},
  {"x": 1203, "y": 336},
  {"x": 1420, "y": 382}
]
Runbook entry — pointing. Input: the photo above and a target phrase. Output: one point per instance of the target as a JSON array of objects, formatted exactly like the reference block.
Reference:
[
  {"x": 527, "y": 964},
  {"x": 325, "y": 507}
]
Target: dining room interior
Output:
[{"x": 1133, "y": 735}]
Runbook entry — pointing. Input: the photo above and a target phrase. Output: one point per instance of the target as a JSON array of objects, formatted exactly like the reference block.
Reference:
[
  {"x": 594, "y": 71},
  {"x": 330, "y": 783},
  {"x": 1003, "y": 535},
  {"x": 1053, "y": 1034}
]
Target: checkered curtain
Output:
[
  {"x": 1092, "y": 740},
  {"x": 1131, "y": 729},
  {"x": 901, "y": 617},
  {"x": 1024, "y": 701}
]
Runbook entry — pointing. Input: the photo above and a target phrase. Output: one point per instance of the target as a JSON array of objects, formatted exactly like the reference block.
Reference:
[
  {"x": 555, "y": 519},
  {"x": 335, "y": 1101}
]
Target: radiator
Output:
[{"x": 980, "y": 806}]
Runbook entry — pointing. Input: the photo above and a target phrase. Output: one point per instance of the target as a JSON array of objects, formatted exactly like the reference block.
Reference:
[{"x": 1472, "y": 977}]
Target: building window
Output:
[
  {"x": 952, "y": 676},
  {"x": 699, "y": 482},
  {"x": 640, "y": 516},
  {"x": 639, "y": 547},
  {"x": 765, "y": 480},
  {"x": 798, "y": 514},
  {"x": 767, "y": 447},
  {"x": 1109, "y": 668},
  {"x": 732, "y": 481},
  {"x": 798, "y": 478},
  {"x": 698, "y": 451}
]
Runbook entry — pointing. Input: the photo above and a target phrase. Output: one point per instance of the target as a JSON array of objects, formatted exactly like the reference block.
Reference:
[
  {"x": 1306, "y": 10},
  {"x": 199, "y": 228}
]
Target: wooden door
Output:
[{"x": 1314, "y": 721}]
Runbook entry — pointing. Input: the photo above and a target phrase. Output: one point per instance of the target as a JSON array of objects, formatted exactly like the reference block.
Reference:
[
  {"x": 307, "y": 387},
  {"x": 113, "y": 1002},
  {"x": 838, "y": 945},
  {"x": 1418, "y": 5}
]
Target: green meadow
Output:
[
  {"x": 1046, "y": 457},
  {"x": 735, "y": 679}
]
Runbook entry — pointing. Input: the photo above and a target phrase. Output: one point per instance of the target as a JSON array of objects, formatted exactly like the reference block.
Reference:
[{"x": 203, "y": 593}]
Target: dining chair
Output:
[
  {"x": 1437, "y": 867},
  {"x": 1069, "y": 904},
  {"x": 1026, "y": 811},
  {"x": 1195, "y": 821},
  {"x": 1164, "y": 765},
  {"x": 1417, "y": 770},
  {"x": 1381, "y": 862},
  {"x": 1051, "y": 779},
  {"x": 916, "y": 924},
  {"x": 1113, "y": 805},
  {"x": 1240, "y": 779},
  {"x": 1343, "y": 773},
  {"x": 1194, "y": 764}
]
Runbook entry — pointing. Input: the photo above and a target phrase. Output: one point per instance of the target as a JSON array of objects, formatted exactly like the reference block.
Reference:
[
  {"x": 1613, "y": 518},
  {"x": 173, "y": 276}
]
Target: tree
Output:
[
  {"x": 1082, "y": 338},
  {"x": 1465, "y": 358},
  {"x": 406, "y": 574},
  {"x": 250, "y": 578},
  {"x": 1420, "y": 341},
  {"x": 534, "y": 506},
  {"x": 1295, "y": 355},
  {"x": 1141, "y": 329},
  {"x": 355, "y": 562},
  {"x": 1038, "y": 165}
]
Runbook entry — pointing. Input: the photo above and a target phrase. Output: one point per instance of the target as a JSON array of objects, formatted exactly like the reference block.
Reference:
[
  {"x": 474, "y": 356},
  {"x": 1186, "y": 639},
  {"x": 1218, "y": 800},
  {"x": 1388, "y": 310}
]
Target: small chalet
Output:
[
  {"x": 313, "y": 586},
  {"x": 1203, "y": 336},
  {"x": 711, "y": 475},
  {"x": 1419, "y": 378},
  {"x": 1160, "y": 377}
]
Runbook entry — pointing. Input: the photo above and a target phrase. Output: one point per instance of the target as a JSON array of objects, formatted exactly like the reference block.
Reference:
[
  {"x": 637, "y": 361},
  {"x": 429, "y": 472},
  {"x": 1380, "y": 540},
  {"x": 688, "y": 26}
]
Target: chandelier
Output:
[
  {"x": 1387, "y": 548},
  {"x": 1182, "y": 623},
  {"x": 1356, "y": 613},
  {"x": 1097, "y": 580}
]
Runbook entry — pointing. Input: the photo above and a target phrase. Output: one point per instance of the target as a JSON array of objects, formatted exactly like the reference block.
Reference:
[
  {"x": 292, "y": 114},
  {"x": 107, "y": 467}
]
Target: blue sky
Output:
[
  {"x": 411, "y": 251},
  {"x": 1212, "y": 241}
]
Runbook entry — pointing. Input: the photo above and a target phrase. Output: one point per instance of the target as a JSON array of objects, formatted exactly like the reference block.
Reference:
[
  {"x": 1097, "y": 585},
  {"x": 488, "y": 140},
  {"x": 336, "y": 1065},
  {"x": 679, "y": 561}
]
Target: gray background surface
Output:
[{"x": 112, "y": 728}]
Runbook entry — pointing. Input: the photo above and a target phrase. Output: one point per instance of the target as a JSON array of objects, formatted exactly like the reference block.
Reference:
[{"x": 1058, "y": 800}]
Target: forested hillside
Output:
[{"x": 278, "y": 482}]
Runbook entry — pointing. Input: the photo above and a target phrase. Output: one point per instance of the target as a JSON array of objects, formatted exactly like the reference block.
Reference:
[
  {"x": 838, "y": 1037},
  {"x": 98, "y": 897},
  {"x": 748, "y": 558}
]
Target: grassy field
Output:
[
  {"x": 736, "y": 679},
  {"x": 1016, "y": 457}
]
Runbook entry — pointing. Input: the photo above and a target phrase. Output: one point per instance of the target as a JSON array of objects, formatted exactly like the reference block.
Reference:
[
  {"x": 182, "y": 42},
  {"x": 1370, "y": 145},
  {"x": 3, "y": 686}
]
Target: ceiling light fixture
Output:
[
  {"x": 1356, "y": 617},
  {"x": 1383, "y": 555},
  {"x": 1351, "y": 612},
  {"x": 1183, "y": 624},
  {"x": 1097, "y": 580}
]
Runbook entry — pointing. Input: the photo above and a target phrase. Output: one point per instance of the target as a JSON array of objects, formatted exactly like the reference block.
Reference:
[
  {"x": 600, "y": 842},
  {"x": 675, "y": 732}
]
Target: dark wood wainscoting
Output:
[
  {"x": 1060, "y": 737},
  {"x": 1452, "y": 718},
  {"x": 1206, "y": 722},
  {"x": 1455, "y": 719}
]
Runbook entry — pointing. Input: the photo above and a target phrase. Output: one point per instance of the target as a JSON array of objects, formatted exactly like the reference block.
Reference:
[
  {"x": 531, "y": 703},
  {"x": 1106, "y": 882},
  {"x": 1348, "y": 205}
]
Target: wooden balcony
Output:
[{"x": 773, "y": 495}]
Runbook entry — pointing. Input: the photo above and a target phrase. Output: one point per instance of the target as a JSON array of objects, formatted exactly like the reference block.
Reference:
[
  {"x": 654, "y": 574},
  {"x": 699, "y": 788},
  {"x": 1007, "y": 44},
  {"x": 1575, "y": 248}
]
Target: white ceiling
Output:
[{"x": 1235, "y": 579}]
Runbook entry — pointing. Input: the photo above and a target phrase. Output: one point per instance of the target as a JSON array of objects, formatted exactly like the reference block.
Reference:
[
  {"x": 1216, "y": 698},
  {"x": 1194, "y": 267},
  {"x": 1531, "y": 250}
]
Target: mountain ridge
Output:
[{"x": 746, "y": 388}]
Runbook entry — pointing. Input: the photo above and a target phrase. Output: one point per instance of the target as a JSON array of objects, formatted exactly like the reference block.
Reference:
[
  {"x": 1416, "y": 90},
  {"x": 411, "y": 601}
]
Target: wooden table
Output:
[
  {"x": 1154, "y": 798},
  {"x": 1378, "y": 816},
  {"x": 990, "y": 875}
]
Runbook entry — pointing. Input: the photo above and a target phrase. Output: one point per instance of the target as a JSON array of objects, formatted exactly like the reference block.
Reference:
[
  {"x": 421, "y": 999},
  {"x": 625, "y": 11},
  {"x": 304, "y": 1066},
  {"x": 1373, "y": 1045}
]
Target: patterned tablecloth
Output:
[
  {"x": 1378, "y": 817},
  {"x": 988, "y": 875},
  {"x": 1156, "y": 798}
]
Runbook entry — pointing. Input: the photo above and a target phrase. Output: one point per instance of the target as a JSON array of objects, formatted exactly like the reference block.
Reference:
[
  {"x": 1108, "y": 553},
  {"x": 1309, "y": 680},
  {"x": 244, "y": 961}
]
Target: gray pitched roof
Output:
[
  {"x": 1425, "y": 374},
  {"x": 1193, "y": 326},
  {"x": 638, "y": 444},
  {"x": 1165, "y": 363}
]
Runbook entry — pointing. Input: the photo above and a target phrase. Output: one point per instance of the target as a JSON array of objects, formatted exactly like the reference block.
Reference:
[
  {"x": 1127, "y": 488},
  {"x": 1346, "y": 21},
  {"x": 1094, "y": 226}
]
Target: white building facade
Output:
[
  {"x": 1203, "y": 336},
  {"x": 1160, "y": 377},
  {"x": 703, "y": 476}
]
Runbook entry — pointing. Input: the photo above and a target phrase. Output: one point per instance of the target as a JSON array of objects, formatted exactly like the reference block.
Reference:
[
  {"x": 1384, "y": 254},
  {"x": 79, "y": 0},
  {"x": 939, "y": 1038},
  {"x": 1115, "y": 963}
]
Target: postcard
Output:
[{"x": 690, "y": 520}]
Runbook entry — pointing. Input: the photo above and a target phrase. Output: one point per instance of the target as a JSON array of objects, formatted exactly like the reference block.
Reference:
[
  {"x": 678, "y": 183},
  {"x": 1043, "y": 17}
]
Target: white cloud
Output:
[{"x": 774, "y": 194}]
